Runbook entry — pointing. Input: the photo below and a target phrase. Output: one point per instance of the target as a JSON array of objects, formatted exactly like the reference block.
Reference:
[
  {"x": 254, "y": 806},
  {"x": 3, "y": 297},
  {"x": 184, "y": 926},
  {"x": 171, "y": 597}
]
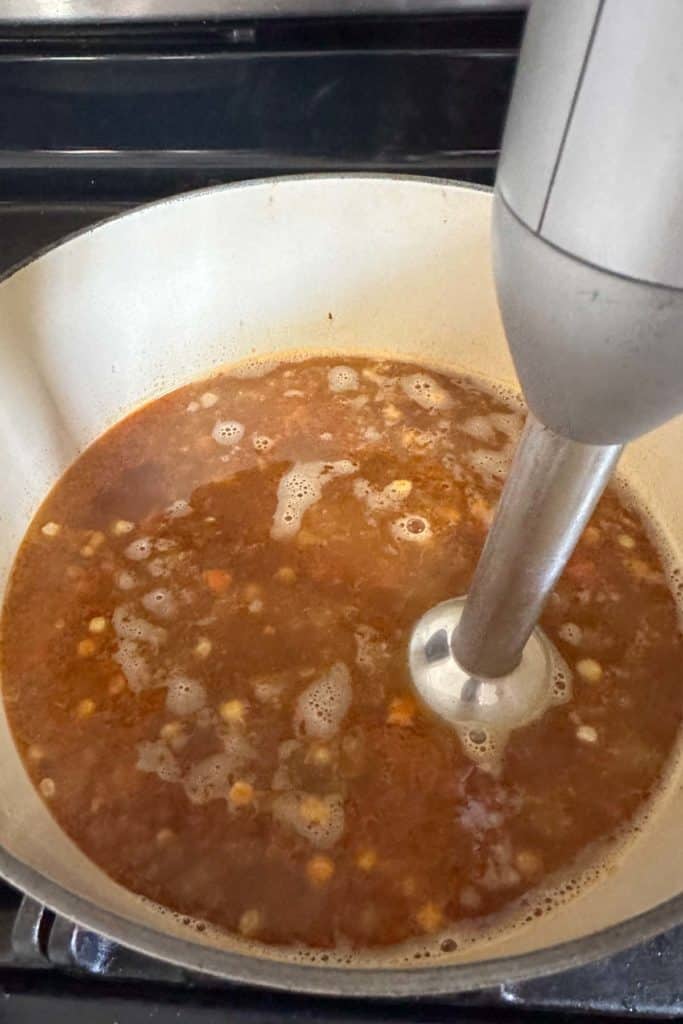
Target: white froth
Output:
[
  {"x": 125, "y": 580},
  {"x": 185, "y": 695},
  {"x": 160, "y": 602},
  {"x": 133, "y": 665},
  {"x": 129, "y": 626},
  {"x": 227, "y": 432},
  {"x": 254, "y": 368},
  {"x": 570, "y": 633},
  {"x": 323, "y": 833},
  {"x": 155, "y": 757},
  {"x": 261, "y": 442},
  {"x": 425, "y": 391},
  {"x": 385, "y": 499},
  {"x": 322, "y": 706},
  {"x": 157, "y": 567},
  {"x": 415, "y": 529},
  {"x": 179, "y": 509},
  {"x": 480, "y": 428},
  {"x": 139, "y": 549},
  {"x": 208, "y": 779},
  {"x": 300, "y": 488},
  {"x": 371, "y": 650},
  {"x": 342, "y": 378}
]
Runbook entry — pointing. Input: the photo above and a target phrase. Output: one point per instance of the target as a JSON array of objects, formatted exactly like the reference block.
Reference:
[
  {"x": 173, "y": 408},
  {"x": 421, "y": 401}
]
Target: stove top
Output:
[{"x": 102, "y": 115}]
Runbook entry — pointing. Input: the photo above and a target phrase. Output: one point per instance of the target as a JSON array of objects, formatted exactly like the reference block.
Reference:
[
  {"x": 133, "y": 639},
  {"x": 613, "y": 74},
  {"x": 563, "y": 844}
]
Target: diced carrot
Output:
[{"x": 217, "y": 580}]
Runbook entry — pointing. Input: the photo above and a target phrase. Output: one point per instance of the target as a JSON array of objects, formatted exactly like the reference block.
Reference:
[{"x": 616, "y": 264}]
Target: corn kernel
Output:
[
  {"x": 591, "y": 535},
  {"x": 164, "y": 836},
  {"x": 401, "y": 711},
  {"x": 626, "y": 541},
  {"x": 429, "y": 917},
  {"x": 35, "y": 753},
  {"x": 528, "y": 863},
  {"x": 87, "y": 551},
  {"x": 250, "y": 922},
  {"x": 202, "y": 649},
  {"x": 320, "y": 869},
  {"x": 98, "y": 624},
  {"x": 208, "y": 399},
  {"x": 241, "y": 793},
  {"x": 86, "y": 648},
  {"x": 391, "y": 414},
  {"x": 85, "y": 708},
  {"x": 50, "y": 529},
  {"x": 232, "y": 712},
  {"x": 589, "y": 669},
  {"x": 366, "y": 860},
  {"x": 285, "y": 574}
]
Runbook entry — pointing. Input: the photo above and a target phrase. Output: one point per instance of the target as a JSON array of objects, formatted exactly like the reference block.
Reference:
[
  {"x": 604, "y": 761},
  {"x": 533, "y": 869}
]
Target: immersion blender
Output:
[{"x": 588, "y": 265}]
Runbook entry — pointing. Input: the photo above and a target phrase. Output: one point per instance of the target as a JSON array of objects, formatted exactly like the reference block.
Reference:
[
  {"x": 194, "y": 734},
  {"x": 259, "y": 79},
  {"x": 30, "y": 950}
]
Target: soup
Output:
[{"x": 204, "y": 660}]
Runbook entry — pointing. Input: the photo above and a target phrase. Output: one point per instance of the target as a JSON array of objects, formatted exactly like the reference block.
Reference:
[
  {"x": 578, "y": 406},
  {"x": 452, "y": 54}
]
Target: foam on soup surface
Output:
[{"x": 204, "y": 661}]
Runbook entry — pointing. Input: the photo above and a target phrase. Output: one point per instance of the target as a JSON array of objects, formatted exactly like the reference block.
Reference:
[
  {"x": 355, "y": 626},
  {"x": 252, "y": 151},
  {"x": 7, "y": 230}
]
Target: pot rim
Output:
[{"x": 318, "y": 979}]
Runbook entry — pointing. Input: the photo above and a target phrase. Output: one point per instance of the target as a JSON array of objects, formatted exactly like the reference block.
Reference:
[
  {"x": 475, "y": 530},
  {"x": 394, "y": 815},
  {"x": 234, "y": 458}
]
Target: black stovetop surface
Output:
[{"x": 97, "y": 119}]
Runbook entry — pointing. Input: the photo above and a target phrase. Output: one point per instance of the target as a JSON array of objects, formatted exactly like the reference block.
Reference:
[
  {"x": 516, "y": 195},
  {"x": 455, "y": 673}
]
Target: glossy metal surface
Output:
[{"x": 551, "y": 489}]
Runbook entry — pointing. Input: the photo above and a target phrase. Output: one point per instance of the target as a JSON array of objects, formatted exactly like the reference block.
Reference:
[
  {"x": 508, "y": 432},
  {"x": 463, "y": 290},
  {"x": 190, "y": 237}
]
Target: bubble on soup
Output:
[
  {"x": 133, "y": 665},
  {"x": 415, "y": 529},
  {"x": 253, "y": 368},
  {"x": 570, "y": 633},
  {"x": 125, "y": 580},
  {"x": 318, "y": 819},
  {"x": 184, "y": 695},
  {"x": 383, "y": 499},
  {"x": 160, "y": 602},
  {"x": 322, "y": 706},
  {"x": 299, "y": 489},
  {"x": 371, "y": 649},
  {"x": 424, "y": 390},
  {"x": 491, "y": 465},
  {"x": 479, "y": 427},
  {"x": 179, "y": 509},
  {"x": 227, "y": 432},
  {"x": 208, "y": 779},
  {"x": 155, "y": 757},
  {"x": 129, "y": 626},
  {"x": 139, "y": 549},
  {"x": 342, "y": 378},
  {"x": 261, "y": 442}
]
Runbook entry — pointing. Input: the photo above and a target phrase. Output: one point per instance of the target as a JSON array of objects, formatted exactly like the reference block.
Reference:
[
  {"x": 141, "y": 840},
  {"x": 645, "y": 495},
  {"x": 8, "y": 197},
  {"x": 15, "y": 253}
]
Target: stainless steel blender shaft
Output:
[{"x": 551, "y": 490}]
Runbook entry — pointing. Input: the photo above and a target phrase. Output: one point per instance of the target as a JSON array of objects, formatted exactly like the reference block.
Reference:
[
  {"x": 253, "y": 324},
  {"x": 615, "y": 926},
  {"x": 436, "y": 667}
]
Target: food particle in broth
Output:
[{"x": 217, "y": 706}]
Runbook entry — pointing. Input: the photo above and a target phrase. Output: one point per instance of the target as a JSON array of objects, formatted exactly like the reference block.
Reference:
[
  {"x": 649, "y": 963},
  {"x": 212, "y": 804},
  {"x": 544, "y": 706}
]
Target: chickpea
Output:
[
  {"x": 366, "y": 860},
  {"x": 429, "y": 917},
  {"x": 233, "y": 712},
  {"x": 589, "y": 669},
  {"x": 85, "y": 708},
  {"x": 401, "y": 711},
  {"x": 249, "y": 922},
  {"x": 320, "y": 869},
  {"x": 241, "y": 793}
]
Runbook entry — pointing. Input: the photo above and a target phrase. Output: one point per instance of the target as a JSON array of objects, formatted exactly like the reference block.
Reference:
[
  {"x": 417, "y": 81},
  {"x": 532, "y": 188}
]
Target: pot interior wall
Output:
[{"x": 147, "y": 302}]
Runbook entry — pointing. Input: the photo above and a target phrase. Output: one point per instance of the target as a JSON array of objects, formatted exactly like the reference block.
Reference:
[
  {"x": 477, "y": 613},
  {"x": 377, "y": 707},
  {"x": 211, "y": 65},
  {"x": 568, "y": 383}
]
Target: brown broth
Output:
[{"x": 214, "y": 700}]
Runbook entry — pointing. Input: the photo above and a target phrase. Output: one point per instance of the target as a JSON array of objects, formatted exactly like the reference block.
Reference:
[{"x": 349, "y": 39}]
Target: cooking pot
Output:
[{"x": 144, "y": 303}]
